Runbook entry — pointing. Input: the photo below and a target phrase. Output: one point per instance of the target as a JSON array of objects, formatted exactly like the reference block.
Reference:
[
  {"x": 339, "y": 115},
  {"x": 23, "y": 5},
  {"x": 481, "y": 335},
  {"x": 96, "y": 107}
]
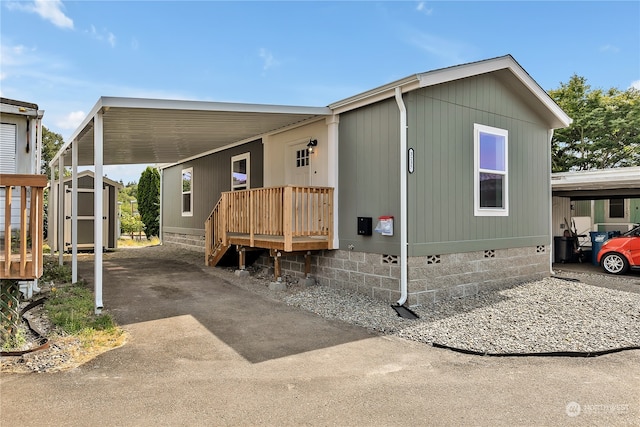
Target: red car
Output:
[{"x": 621, "y": 253}]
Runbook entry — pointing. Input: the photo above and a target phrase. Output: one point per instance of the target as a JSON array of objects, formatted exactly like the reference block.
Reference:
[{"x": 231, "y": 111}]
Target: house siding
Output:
[
  {"x": 369, "y": 181},
  {"x": 440, "y": 191},
  {"x": 211, "y": 176}
]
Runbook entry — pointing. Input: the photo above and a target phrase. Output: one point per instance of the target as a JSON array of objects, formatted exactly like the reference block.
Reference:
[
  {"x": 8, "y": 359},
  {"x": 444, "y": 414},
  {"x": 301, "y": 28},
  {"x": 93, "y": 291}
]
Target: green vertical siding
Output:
[
  {"x": 369, "y": 181},
  {"x": 211, "y": 176},
  {"x": 598, "y": 212},
  {"x": 440, "y": 129},
  {"x": 634, "y": 211}
]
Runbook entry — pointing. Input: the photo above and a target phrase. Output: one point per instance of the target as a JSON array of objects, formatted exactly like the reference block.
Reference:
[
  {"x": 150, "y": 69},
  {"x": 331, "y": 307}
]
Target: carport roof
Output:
[
  {"x": 148, "y": 131},
  {"x": 597, "y": 184}
]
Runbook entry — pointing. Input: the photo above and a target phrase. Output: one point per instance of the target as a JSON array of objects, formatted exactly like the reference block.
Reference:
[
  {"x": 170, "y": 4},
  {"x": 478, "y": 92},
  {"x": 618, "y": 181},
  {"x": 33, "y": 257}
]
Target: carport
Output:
[
  {"x": 120, "y": 131},
  {"x": 606, "y": 184}
]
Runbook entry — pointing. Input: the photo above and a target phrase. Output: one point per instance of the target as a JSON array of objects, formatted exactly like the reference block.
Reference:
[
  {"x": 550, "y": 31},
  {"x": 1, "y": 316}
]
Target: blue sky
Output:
[{"x": 64, "y": 55}]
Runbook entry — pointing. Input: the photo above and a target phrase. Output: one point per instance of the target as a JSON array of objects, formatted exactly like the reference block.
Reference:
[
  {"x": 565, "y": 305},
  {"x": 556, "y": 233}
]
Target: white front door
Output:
[{"x": 297, "y": 165}]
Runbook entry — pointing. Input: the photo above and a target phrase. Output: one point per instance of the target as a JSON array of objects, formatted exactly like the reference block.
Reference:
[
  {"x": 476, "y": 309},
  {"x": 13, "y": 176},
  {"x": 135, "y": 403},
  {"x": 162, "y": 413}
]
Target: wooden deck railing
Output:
[
  {"x": 21, "y": 255},
  {"x": 270, "y": 218}
]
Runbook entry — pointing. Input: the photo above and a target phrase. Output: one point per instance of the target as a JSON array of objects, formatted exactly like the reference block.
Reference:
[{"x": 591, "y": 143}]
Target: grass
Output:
[
  {"x": 71, "y": 309},
  {"x": 128, "y": 243}
]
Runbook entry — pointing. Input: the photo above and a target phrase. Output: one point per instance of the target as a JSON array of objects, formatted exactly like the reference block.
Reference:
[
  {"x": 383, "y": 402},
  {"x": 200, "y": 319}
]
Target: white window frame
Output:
[
  {"x": 247, "y": 157},
  {"x": 478, "y": 211},
  {"x": 190, "y": 192}
]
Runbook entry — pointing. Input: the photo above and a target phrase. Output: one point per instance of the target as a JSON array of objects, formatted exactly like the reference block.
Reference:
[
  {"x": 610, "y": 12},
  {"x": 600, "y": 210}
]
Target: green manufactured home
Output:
[
  {"x": 431, "y": 186},
  {"x": 473, "y": 187}
]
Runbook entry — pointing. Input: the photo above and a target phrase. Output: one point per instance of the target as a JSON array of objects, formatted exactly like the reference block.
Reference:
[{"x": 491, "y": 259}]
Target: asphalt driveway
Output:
[{"x": 203, "y": 351}]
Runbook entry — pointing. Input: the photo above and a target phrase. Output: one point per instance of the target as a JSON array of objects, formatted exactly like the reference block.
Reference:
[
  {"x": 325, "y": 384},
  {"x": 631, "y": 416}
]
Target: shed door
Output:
[
  {"x": 298, "y": 168},
  {"x": 85, "y": 218}
]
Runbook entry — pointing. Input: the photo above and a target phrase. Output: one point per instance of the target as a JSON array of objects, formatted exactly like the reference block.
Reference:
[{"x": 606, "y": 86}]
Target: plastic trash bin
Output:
[
  {"x": 563, "y": 248},
  {"x": 597, "y": 240}
]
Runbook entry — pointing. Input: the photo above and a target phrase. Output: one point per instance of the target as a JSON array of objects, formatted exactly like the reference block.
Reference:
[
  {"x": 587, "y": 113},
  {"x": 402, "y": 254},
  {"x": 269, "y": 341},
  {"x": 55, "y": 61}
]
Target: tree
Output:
[
  {"x": 51, "y": 143},
  {"x": 605, "y": 132},
  {"x": 149, "y": 200}
]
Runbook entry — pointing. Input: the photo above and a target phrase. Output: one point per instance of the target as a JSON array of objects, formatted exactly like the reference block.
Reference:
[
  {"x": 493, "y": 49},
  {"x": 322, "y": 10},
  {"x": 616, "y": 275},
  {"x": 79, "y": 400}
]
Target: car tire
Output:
[{"x": 614, "y": 263}]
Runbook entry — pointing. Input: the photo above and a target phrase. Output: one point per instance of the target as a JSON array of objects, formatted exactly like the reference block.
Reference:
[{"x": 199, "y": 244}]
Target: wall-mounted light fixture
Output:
[{"x": 312, "y": 143}]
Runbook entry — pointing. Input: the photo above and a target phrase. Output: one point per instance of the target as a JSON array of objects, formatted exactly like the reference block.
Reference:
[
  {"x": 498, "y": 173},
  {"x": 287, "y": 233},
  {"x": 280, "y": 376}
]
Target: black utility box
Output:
[{"x": 365, "y": 225}]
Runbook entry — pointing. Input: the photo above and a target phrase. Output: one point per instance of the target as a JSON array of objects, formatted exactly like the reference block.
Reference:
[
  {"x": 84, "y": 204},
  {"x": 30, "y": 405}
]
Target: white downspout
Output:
[{"x": 403, "y": 198}]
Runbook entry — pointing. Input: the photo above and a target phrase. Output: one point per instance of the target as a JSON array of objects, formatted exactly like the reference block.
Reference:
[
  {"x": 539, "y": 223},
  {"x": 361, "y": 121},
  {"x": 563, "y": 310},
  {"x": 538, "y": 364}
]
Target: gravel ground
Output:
[{"x": 549, "y": 315}]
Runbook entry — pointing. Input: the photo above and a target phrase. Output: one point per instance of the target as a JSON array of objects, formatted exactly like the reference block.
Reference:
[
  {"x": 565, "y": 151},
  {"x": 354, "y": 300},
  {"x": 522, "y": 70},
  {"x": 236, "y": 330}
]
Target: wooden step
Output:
[{"x": 216, "y": 256}]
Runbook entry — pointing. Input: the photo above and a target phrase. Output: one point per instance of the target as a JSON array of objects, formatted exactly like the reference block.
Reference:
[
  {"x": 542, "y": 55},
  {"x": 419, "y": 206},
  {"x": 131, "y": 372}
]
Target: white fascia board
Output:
[
  {"x": 482, "y": 67},
  {"x": 20, "y": 111},
  {"x": 629, "y": 176},
  {"x": 375, "y": 95},
  {"x": 185, "y": 105}
]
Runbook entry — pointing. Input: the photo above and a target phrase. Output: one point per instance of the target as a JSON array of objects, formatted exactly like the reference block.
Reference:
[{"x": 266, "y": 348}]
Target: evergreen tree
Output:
[{"x": 149, "y": 201}]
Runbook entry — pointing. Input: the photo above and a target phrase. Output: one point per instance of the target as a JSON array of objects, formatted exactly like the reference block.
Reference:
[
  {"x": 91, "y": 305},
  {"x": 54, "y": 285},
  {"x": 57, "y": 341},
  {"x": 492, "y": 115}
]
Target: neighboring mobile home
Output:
[
  {"x": 21, "y": 190},
  {"x": 451, "y": 166}
]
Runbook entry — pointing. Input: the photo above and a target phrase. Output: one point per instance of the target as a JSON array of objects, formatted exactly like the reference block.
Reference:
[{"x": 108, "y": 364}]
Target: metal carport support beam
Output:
[{"x": 98, "y": 154}]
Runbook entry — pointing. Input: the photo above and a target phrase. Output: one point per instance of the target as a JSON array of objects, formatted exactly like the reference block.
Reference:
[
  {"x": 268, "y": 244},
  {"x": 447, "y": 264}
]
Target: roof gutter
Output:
[{"x": 403, "y": 197}]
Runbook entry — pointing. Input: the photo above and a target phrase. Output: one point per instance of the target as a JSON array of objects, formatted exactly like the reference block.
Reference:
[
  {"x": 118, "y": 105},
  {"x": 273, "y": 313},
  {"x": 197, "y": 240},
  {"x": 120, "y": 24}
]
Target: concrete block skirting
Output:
[
  {"x": 185, "y": 241},
  {"x": 431, "y": 278}
]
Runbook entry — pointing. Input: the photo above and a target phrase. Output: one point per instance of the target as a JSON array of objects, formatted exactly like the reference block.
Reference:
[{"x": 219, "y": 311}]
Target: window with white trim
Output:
[
  {"x": 491, "y": 172},
  {"x": 617, "y": 208},
  {"x": 240, "y": 172},
  {"x": 187, "y": 192}
]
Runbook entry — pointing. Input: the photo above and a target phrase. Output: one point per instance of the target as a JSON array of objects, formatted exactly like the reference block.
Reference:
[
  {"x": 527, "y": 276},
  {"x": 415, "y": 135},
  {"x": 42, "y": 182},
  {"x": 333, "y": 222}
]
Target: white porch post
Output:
[
  {"x": 74, "y": 212},
  {"x": 60, "y": 215},
  {"x": 51, "y": 209},
  {"x": 97, "y": 207},
  {"x": 332, "y": 160}
]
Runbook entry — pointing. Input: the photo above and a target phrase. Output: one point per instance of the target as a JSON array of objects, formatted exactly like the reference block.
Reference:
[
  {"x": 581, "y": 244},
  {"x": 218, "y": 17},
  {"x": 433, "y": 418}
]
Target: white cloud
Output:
[
  {"x": 635, "y": 84},
  {"x": 609, "y": 48},
  {"x": 49, "y": 10},
  {"x": 71, "y": 120},
  {"x": 422, "y": 7},
  {"x": 268, "y": 60},
  {"x": 134, "y": 44},
  {"x": 103, "y": 36},
  {"x": 452, "y": 52}
]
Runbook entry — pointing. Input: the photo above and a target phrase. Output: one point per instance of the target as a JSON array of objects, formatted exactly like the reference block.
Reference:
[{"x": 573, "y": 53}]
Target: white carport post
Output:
[
  {"x": 52, "y": 210},
  {"x": 60, "y": 214},
  {"x": 74, "y": 212},
  {"x": 98, "y": 153}
]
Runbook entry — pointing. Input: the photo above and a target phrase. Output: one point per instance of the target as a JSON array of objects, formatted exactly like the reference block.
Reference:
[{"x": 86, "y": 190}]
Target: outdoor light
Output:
[{"x": 312, "y": 143}]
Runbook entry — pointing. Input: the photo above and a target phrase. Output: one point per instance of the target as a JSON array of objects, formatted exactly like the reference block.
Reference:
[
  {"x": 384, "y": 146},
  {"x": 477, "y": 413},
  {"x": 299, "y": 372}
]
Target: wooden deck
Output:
[
  {"x": 21, "y": 254},
  {"x": 287, "y": 219}
]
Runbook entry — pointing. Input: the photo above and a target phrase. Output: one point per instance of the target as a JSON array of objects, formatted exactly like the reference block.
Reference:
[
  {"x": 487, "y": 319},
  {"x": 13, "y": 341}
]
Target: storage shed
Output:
[{"x": 110, "y": 215}]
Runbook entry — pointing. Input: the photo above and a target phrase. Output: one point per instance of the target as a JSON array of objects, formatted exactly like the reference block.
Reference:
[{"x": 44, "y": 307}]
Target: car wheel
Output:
[{"x": 614, "y": 263}]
